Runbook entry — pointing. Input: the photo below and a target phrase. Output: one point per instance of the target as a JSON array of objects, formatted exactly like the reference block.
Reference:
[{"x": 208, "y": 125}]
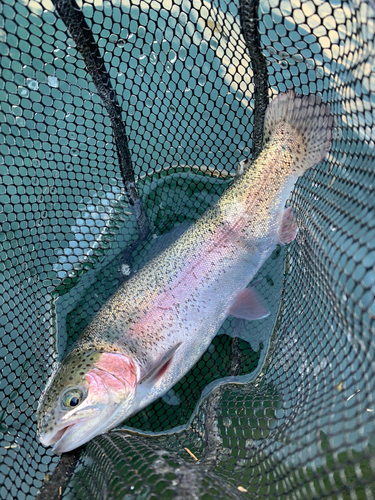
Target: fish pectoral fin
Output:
[
  {"x": 155, "y": 372},
  {"x": 249, "y": 305}
]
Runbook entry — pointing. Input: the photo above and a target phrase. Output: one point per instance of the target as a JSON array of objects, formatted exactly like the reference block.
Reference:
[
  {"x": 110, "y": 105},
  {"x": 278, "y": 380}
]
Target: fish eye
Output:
[{"x": 72, "y": 398}]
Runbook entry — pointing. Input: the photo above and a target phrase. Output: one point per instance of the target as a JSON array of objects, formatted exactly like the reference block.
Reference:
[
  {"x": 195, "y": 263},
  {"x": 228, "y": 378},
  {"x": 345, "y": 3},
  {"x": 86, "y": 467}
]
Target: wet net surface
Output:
[{"x": 297, "y": 419}]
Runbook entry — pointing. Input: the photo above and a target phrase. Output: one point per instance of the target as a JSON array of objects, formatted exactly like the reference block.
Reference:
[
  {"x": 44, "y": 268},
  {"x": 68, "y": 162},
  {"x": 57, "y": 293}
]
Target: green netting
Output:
[{"x": 285, "y": 411}]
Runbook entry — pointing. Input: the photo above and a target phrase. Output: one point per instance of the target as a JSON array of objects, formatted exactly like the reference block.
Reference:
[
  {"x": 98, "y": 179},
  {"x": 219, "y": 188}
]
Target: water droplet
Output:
[
  {"x": 171, "y": 398},
  {"x": 337, "y": 133},
  {"x": 32, "y": 84},
  {"x": 132, "y": 38},
  {"x": 125, "y": 269},
  {"x": 168, "y": 67},
  {"x": 172, "y": 56},
  {"x": 74, "y": 152},
  {"x": 156, "y": 47},
  {"x": 182, "y": 54},
  {"x": 165, "y": 45},
  {"x": 172, "y": 109},
  {"x": 202, "y": 80},
  {"x": 69, "y": 167},
  {"x": 310, "y": 63},
  {"x": 197, "y": 149},
  {"x": 120, "y": 42},
  {"x": 20, "y": 121},
  {"x": 23, "y": 92},
  {"x": 188, "y": 92},
  {"x": 343, "y": 159},
  {"x": 49, "y": 156},
  {"x": 149, "y": 102},
  {"x": 16, "y": 110},
  {"x": 283, "y": 64},
  {"x": 153, "y": 58},
  {"x": 36, "y": 163},
  {"x": 298, "y": 57},
  {"x": 183, "y": 19},
  {"x": 141, "y": 31},
  {"x": 143, "y": 59},
  {"x": 319, "y": 72},
  {"x": 283, "y": 54},
  {"x": 113, "y": 38},
  {"x": 140, "y": 71},
  {"x": 3, "y": 35},
  {"x": 53, "y": 81}
]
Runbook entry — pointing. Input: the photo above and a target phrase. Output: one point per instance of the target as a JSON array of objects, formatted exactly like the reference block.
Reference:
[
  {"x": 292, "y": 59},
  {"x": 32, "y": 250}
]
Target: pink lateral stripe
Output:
[{"x": 193, "y": 272}]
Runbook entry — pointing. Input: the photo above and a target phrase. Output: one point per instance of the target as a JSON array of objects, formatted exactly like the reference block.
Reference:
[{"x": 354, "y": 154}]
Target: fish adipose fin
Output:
[
  {"x": 157, "y": 371},
  {"x": 302, "y": 124},
  {"x": 248, "y": 305},
  {"x": 288, "y": 227}
]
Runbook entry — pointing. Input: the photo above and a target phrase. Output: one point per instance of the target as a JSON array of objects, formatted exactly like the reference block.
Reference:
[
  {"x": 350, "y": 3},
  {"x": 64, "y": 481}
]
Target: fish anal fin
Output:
[
  {"x": 157, "y": 371},
  {"x": 249, "y": 305}
]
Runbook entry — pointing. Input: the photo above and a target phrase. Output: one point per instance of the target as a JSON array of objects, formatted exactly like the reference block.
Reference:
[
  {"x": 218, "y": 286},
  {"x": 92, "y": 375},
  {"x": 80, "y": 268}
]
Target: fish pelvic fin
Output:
[
  {"x": 302, "y": 124},
  {"x": 249, "y": 305}
]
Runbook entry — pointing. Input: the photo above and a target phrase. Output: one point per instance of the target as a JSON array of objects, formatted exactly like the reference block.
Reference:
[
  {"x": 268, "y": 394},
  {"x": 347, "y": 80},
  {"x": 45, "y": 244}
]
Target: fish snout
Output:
[{"x": 44, "y": 423}]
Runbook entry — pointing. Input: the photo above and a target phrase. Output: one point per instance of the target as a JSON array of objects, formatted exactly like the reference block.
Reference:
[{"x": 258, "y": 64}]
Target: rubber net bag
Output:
[{"x": 281, "y": 408}]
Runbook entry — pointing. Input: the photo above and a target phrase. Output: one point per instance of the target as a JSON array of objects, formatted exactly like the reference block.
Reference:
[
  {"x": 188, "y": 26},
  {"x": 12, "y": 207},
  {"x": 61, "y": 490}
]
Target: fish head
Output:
[{"x": 89, "y": 394}]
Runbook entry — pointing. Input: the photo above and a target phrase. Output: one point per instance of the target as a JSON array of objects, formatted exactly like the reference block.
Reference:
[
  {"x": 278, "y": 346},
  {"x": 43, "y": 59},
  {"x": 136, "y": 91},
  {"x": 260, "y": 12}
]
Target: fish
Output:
[{"x": 160, "y": 322}]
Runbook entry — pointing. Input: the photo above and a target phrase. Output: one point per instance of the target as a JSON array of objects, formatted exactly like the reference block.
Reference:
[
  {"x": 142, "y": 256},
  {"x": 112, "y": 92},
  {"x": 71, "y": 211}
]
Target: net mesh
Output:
[{"x": 278, "y": 408}]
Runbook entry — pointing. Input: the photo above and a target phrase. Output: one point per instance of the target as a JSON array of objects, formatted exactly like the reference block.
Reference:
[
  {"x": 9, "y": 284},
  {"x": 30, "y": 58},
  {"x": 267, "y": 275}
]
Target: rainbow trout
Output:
[{"x": 162, "y": 320}]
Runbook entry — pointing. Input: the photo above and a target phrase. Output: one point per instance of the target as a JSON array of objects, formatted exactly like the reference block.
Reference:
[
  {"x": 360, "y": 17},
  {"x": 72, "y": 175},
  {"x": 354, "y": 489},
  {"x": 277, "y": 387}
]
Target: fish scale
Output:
[{"x": 161, "y": 321}]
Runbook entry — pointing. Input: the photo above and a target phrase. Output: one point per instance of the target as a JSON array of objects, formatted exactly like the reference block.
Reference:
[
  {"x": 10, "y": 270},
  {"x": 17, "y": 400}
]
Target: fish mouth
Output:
[
  {"x": 55, "y": 438},
  {"x": 60, "y": 434},
  {"x": 79, "y": 432}
]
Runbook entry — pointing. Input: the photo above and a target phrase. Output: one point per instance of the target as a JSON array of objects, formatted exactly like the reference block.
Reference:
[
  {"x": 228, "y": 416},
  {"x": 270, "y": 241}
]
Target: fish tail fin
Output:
[{"x": 305, "y": 122}]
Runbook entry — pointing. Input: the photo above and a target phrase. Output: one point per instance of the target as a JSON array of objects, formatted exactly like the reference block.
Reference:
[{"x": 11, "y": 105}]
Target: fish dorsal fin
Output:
[
  {"x": 159, "y": 369},
  {"x": 248, "y": 305}
]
